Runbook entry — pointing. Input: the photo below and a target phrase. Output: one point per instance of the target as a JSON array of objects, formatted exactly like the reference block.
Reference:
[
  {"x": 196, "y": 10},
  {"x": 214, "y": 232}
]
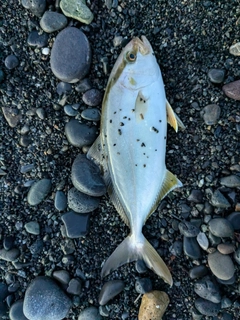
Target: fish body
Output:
[{"x": 131, "y": 150}]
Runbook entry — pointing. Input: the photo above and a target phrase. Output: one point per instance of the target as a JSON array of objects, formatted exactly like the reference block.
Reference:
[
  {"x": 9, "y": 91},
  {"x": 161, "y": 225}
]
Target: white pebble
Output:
[
  {"x": 45, "y": 51},
  {"x": 203, "y": 240}
]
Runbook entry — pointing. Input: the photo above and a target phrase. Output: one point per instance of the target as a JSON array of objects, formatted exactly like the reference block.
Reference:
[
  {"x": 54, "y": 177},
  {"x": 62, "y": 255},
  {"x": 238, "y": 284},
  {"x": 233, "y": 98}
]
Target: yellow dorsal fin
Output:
[{"x": 173, "y": 119}]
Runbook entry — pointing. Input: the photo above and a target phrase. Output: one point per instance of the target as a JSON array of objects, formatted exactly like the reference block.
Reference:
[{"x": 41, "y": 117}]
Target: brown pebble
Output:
[
  {"x": 153, "y": 305},
  {"x": 232, "y": 90},
  {"x": 237, "y": 207},
  {"x": 226, "y": 248}
]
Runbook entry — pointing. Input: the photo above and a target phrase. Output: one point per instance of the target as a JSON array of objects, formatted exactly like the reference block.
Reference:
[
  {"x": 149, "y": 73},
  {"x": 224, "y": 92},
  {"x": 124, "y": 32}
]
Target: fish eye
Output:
[{"x": 131, "y": 56}]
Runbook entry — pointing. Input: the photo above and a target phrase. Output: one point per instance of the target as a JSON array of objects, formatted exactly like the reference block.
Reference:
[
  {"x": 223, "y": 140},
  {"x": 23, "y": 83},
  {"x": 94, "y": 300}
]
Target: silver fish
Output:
[{"x": 131, "y": 150}]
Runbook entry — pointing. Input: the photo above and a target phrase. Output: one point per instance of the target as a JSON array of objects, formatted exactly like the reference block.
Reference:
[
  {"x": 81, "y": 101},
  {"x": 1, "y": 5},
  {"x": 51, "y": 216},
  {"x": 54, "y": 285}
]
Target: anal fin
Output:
[{"x": 173, "y": 119}]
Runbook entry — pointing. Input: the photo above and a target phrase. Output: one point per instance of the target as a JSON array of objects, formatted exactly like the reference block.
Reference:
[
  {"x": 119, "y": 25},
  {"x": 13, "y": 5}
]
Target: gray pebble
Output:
[
  {"x": 226, "y": 303},
  {"x": 91, "y": 114},
  {"x": 117, "y": 41},
  {"x": 206, "y": 307},
  {"x": 188, "y": 229},
  {"x": 81, "y": 202},
  {"x": 38, "y": 191},
  {"x": 90, "y": 313},
  {"x": 32, "y": 227},
  {"x": 196, "y": 196},
  {"x": 83, "y": 85},
  {"x": 11, "y": 62},
  {"x": 140, "y": 266},
  {"x": 25, "y": 141},
  {"x": 27, "y": 168},
  {"x": 60, "y": 200},
  {"x": 37, "y": 7},
  {"x": 237, "y": 255},
  {"x": 74, "y": 287},
  {"x": 36, "y": 247},
  {"x": 198, "y": 272},
  {"x": 68, "y": 109},
  {"x": 221, "y": 265},
  {"x": 214, "y": 241},
  {"x": 9, "y": 255},
  {"x": 64, "y": 88},
  {"x": 77, "y": 225},
  {"x": 37, "y": 40},
  {"x": 41, "y": 113},
  {"x": 208, "y": 290},
  {"x": 211, "y": 114},
  {"x": 218, "y": 200},
  {"x": 109, "y": 290},
  {"x": 62, "y": 276},
  {"x": 79, "y": 134},
  {"x": 234, "y": 219},
  {"x": 71, "y": 55},
  {"x": 16, "y": 311},
  {"x": 143, "y": 285},
  {"x": 216, "y": 75},
  {"x": 45, "y": 300},
  {"x": 92, "y": 97},
  {"x": 53, "y": 21},
  {"x": 191, "y": 248},
  {"x": 221, "y": 227},
  {"x": 226, "y": 248},
  {"x": 86, "y": 177},
  {"x": 12, "y": 116},
  {"x": 203, "y": 240},
  {"x": 232, "y": 181},
  {"x": 177, "y": 248}
]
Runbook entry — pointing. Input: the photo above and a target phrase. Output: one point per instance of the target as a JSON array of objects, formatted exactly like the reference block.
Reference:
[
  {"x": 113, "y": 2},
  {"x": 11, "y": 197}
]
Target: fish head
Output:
[{"x": 136, "y": 66}]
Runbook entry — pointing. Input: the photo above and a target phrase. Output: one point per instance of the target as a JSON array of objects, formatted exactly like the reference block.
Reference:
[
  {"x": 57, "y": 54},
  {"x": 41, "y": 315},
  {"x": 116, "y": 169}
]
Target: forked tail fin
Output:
[{"x": 129, "y": 251}]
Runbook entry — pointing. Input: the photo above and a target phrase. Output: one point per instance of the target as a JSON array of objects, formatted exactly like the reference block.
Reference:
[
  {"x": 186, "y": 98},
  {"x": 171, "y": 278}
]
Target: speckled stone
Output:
[
  {"x": 81, "y": 202},
  {"x": 12, "y": 116},
  {"x": 92, "y": 97},
  {"x": 153, "y": 305},
  {"x": 109, "y": 290},
  {"x": 221, "y": 265},
  {"x": 77, "y": 9}
]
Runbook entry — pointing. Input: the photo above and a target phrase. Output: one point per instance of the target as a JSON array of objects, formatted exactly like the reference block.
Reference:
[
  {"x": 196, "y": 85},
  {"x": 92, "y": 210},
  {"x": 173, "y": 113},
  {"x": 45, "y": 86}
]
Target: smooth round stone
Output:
[
  {"x": 71, "y": 55},
  {"x": 235, "y": 49},
  {"x": 218, "y": 200},
  {"x": 206, "y": 307},
  {"x": 77, "y": 225},
  {"x": 191, "y": 248},
  {"x": 62, "y": 276},
  {"x": 16, "y": 311},
  {"x": 53, "y": 21},
  {"x": 232, "y": 181},
  {"x": 226, "y": 248},
  {"x": 38, "y": 191},
  {"x": 221, "y": 227},
  {"x": 74, "y": 287},
  {"x": 91, "y": 114},
  {"x": 32, "y": 227},
  {"x": 81, "y": 202},
  {"x": 153, "y": 305},
  {"x": 221, "y": 265},
  {"x": 90, "y": 313},
  {"x": 86, "y": 177},
  {"x": 77, "y": 9},
  {"x": 80, "y": 134},
  {"x": 37, "y": 40},
  {"x": 208, "y": 290},
  {"x": 143, "y": 285},
  {"x": 188, "y": 229},
  {"x": 140, "y": 266},
  {"x": 196, "y": 196},
  {"x": 64, "y": 88},
  {"x": 45, "y": 300},
  {"x": 232, "y": 90},
  {"x": 41, "y": 113},
  {"x": 216, "y": 75},
  {"x": 198, "y": 272},
  {"x": 92, "y": 97},
  {"x": 11, "y": 62},
  {"x": 109, "y": 290},
  {"x": 68, "y": 109},
  {"x": 83, "y": 85},
  {"x": 234, "y": 219},
  {"x": 60, "y": 200},
  {"x": 9, "y": 255},
  {"x": 203, "y": 240},
  {"x": 237, "y": 255},
  {"x": 37, "y": 7},
  {"x": 211, "y": 114}
]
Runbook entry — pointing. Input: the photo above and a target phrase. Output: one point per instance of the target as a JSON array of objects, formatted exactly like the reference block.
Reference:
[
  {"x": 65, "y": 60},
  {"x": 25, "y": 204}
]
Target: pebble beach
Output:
[{"x": 57, "y": 224}]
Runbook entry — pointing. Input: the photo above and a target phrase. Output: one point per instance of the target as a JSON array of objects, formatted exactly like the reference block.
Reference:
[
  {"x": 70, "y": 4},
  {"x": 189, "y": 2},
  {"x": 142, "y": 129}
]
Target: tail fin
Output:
[{"x": 129, "y": 251}]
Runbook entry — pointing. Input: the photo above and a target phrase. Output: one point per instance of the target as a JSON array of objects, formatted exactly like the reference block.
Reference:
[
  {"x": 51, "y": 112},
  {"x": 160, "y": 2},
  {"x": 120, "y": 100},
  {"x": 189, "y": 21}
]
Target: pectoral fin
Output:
[{"x": 173, "y": 119}]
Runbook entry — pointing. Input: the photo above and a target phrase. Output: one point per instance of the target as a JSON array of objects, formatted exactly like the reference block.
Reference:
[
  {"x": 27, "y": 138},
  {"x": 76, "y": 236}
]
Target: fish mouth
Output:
[{"x": 142, "y": 45}]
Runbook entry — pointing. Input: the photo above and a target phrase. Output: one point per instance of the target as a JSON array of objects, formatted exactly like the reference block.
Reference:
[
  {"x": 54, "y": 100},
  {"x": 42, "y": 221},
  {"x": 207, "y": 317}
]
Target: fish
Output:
[{"x": 131, "y": 148}]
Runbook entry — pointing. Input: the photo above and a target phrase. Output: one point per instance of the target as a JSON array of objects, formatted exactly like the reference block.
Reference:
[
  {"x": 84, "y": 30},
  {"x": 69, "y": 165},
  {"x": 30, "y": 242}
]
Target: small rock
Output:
[
  {"x": 77, "y": 225},
  {"x": 60, "y": 201},
  {"x": 211, "y": 114},
  {"x": 11, "y": 62},
  {"x": 9, "y": 255},
  {"x": 196, "y": 196},
  {"x": 216, "y": 75},
  {"x": 153, "y": 305},
  {"x": 140, "y": 266},
  {"x": 77, "y": 9},
  {"x": 206, "y": 307},
  {"x": 177, "y": 248},
  {"x": 218, "y": 200},
  {"x": 226, "y": 303},
  {"x": 235, "y": 49},
  {"x": 41, "y": 113},
  {"x": 81, "y": 202},
  {"x": 234, "y": 219},
  {"x": 16, "y": 311},
  {"x": 38, "y": 191},
  {"x": 226, "y": 248},
  {"x": 45, "y": 300},
  {"x": 143, "y": 285},
  {"x": 221, "y": 227},
  {"x": 53, "y": 21},
  {"x": 12, "y": 116},
  {"x": 32, "y": 227},
  {"x": 68, "y": 109},
  {"x": 74, "y": 287},
  {"x": 92, "y": 97},
  {"x": 109, "y": 290},
  {"x": 37, "y": 247},
  {"x": 37, "y": 7},
  {"x": 188, "y": 229},
  {"x": 90, "y": 313},
  {"x": 203, "y": 240},
  {"x": 191, "y": 248},
  {"x": 232, "y": 90},
  {"x": 231, "y": 181},
  {"x": 208, "y": 290},
  {"x": 64, "y": 88},
  {"x": 37, "y": 40},
  {"x": 62, "y": 276},
  {"x": 91, "y": 114},
  {"x": 83, "y": 85},
  {"x": 79, "y": 134},
  {"x": 214, "y": 241},
  {"x": 198, "y": 272},
  {"x": 221, "y": 265}
]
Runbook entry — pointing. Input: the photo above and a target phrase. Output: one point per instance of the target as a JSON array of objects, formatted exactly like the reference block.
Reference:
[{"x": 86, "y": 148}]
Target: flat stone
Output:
[
  {"x": 216, "y": 75},
  {"x": 45, "y": 300},
  {"x": 9, "y": 255},
  {"x": 90, "y": 313},
  {"x": 234, "y": 218},
  {"x": 235, "y": 49},
  {"x": 203, "y": 240},
  {"x": 81, "y": 202},
  {"x": 232, "y": 90},
  {"x": 208, "y": 290},
  {"x": 77, "y": 9},
  {"x": 198, "y": 272},
  {"x": 86, "y": 177},
  {"x": 38, "y": 191},
  {"x": 226, "y": 248},
  {"x": 16, "y": 311},
  {"x": 91, "y": 114},
  {"x": 153, "y": 305},
  {"x": 232, "y": 181},
  {"x": 12, "y": 116},
  {"x": 206, "y": 307},
  {"x": 109, "y": 290},
  {"x": 188, "y": 229},
  {"x": 140, "y": 266},
  {"x": 80, "y": 134},
  {"x": 53, "y": 21},
  {"x": 191, "y": 248},
  {"x": 37, "y": 40},
  {"x": 92, "y": 97},
  {"x": 60, "y": 200},
  {"x": 221, "y": 227},
  {"x": 218, "y": 200},
  {"x": 32, "y": 227},
  {"x": 71, "y": 55},
  {"x": 77, "y": 225},
  {"x": 211, "y": 114},
  {"x": 143, "y": 285},
  {"x": 221, "y": 265}
]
